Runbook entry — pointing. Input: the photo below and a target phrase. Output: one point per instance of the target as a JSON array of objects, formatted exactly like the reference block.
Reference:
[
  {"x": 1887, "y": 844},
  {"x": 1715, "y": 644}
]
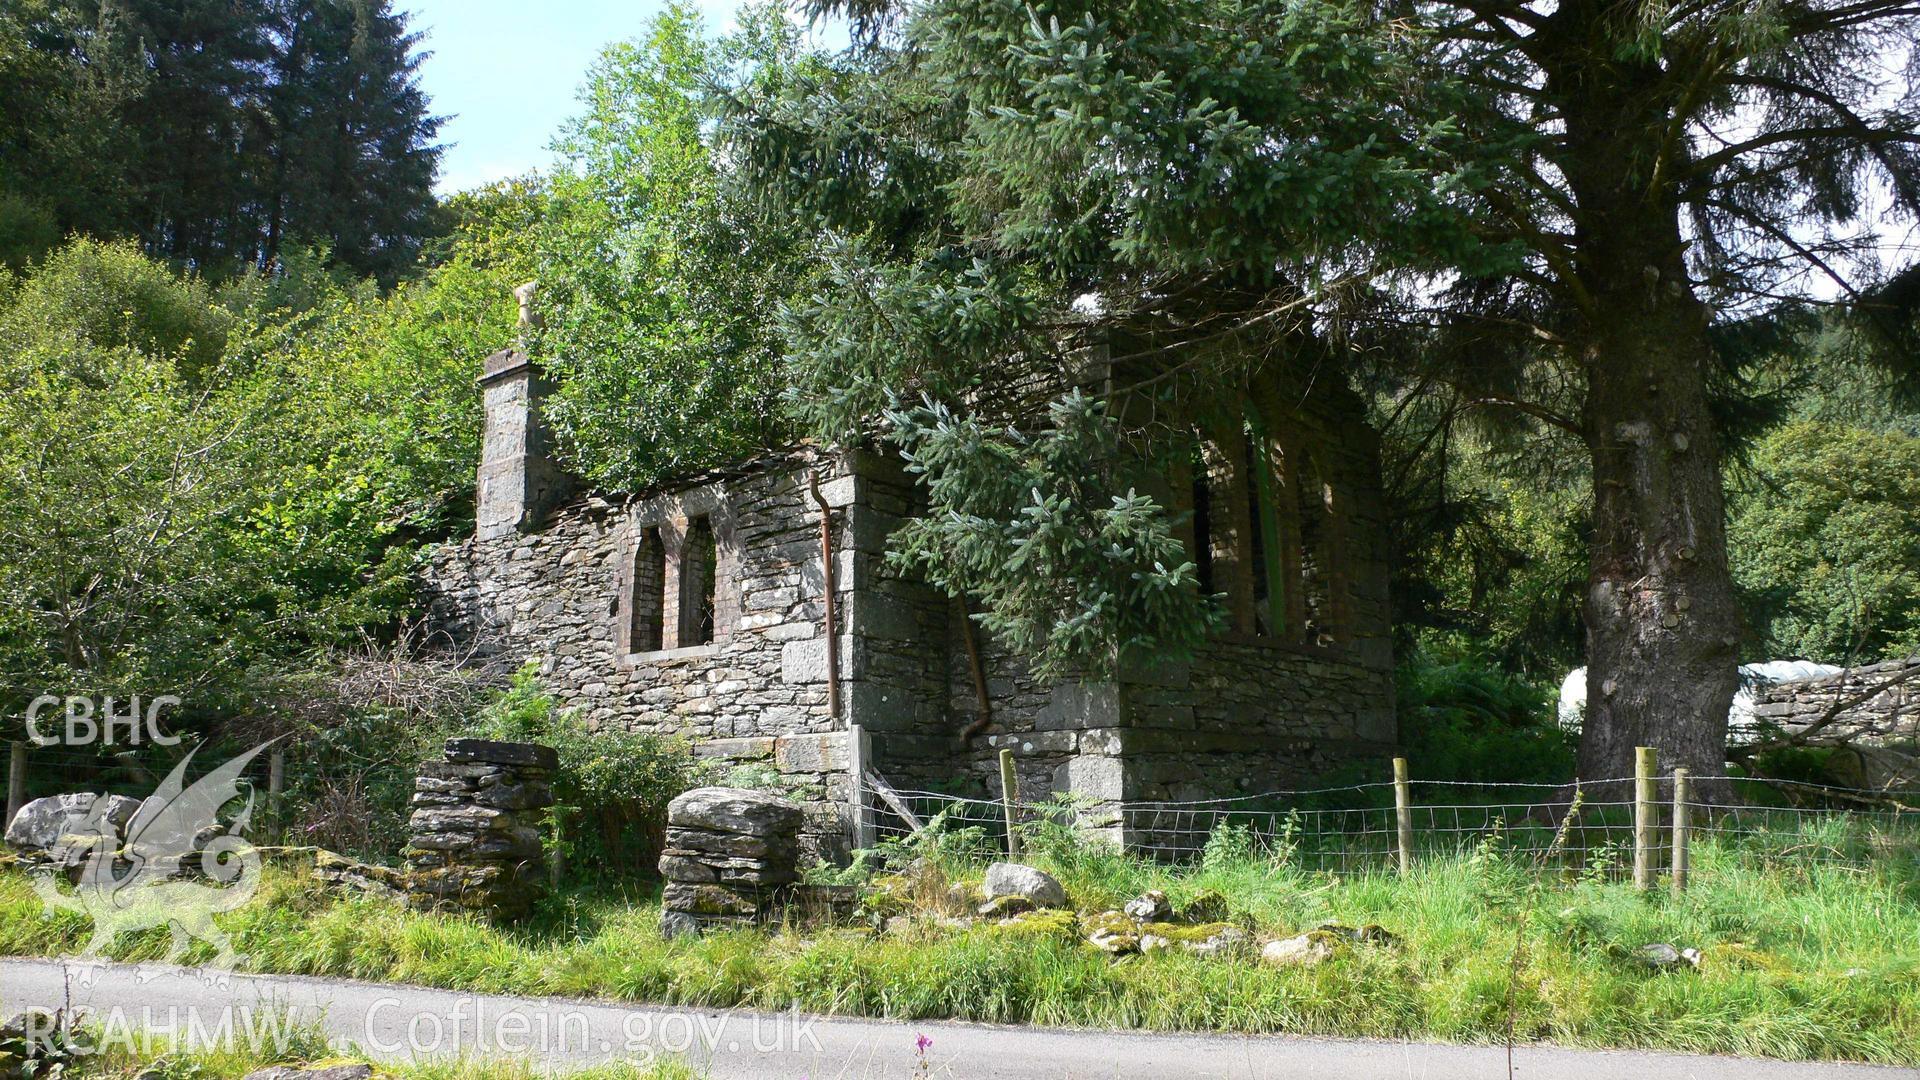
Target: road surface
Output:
[{"x": 392, "y": 1022}]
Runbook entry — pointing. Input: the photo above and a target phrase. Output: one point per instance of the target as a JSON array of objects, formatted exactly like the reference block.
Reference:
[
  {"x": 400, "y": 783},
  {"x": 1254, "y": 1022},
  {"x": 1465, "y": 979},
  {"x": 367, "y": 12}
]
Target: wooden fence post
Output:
[
  {"x": 276, "y": 786},
  {"x": 1009, "y": 794},
  {"x": 858, "y": 751},
  {"x": 16, "y": 780},
  {"x": 1646, "y": 792},
  {"x": 1682, "y": 832},
  {"x": 1403, "y": 813}
]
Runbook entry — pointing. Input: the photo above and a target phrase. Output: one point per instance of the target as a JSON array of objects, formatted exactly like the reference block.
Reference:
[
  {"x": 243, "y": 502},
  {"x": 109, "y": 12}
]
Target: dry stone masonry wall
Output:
[
  {"x": 476, "y": 840},
  {"x": 1871, "y": 714},
  {"x": 1878, "y": 702},
  {"x": 756, "y": 693},
  {"x": 730, "y": 859},
  {"x": 700, "y": 611}
]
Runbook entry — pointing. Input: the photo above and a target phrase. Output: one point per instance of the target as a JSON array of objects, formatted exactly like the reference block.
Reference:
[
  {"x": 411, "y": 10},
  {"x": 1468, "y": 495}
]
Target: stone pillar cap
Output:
[
  {"x": 504, "y": 363},
  {"x": 490, "y": 752}
]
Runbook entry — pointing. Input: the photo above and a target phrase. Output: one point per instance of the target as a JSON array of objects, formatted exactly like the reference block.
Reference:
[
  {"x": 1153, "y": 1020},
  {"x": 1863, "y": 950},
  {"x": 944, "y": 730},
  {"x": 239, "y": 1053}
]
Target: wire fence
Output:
[
  {"x": 359, "y": 806},
  {"x": 1357, "y": 829}
]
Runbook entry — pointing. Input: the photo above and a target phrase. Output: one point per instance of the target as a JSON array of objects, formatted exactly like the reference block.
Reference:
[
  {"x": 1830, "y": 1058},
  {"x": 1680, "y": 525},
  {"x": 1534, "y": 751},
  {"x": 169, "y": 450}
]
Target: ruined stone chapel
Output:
[{"x": 716, "y": 608}]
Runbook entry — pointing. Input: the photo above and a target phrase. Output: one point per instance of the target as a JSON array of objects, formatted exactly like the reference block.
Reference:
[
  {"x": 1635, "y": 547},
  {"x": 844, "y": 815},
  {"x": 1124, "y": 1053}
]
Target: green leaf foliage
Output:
[
  {"x": 121, "y": 480},
  {"x": 1074, "y": 567},
  {"x": 1826, "y": 542},
  {"x": 192, "y": 483},
  {"x": 656, "y": 292},
  {"x": 992, "y": 187},
  {"x": 611, "y": 782}
]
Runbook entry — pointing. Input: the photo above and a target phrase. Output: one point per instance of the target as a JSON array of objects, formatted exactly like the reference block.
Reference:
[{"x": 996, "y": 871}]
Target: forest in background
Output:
[{"x": 239, "y": 376}]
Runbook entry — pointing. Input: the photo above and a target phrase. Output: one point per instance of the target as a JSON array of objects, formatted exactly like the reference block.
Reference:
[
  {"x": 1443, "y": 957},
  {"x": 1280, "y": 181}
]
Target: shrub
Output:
[
  {"x": 613, "y": 786},
  {"x": 1463, "y": 719}
]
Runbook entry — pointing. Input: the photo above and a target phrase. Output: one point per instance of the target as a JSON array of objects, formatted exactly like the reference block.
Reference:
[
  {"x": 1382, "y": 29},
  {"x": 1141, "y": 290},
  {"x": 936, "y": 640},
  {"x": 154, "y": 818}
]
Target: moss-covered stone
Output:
[
  {"x": 1205, "y": 906},
  {"x": 1112, "y": 931},
  {"x": 1310, "y": 949},
  {"x": 888, "y": 895},
  {"x": 1001, "y": 907},
  {"x": 1181, "y": 934},
  {"x": 963, "y": 896},
  {"x": 1370, "y": 934},
  {"x": 1206, "y": 939},
  {"x": 1047, "y": 922}
]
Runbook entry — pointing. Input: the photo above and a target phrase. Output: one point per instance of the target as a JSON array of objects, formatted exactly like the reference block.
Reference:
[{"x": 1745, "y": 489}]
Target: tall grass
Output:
[{"x": 1802, "y": 960}]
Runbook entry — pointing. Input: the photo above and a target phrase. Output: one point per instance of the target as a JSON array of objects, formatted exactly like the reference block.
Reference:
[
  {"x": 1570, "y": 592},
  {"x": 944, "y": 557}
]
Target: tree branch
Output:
[{"x": 1705, "y": 166}]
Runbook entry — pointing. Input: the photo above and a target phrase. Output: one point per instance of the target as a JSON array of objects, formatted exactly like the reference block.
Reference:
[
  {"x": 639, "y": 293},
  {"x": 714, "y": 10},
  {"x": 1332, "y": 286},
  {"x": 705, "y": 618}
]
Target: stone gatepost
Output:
[
  {"x": 731, "y": 858},
  {"x": 477, "y": 816}
]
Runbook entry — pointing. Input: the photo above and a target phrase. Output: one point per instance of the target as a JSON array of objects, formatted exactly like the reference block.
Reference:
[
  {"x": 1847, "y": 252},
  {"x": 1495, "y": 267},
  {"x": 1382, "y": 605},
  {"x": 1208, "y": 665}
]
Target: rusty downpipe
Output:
[
  {"x": 826, "y": 576},
  {"x": 985, "y": 719}
]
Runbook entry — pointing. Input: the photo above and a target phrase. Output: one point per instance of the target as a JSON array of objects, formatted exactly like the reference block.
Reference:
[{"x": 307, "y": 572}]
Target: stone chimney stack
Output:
[{"x": 519, "y": 480}]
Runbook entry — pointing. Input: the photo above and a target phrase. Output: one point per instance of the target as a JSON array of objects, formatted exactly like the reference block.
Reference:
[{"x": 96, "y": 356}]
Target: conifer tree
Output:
[
  {"x": 217, "y": 132},
  {"x": 350, "y": 165},
  {"x": 1568, "y": 195}
]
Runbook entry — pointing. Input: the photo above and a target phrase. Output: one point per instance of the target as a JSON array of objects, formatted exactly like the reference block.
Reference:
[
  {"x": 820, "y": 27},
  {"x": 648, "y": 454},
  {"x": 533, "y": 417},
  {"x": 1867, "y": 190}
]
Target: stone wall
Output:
[
  {"x": 1886, "y": 715},
  {"x": 518, "y": 481},
  {"x": 756, "y": 693},
  {"x": 1892, "y": 714},
  {"x": 1876, "y": 730},
  {"x": 476, "y": 843},
  {"x": 729, "y": 860},
  {"x": 1308, "y": 688},
  {"x": 1246, "y": 715}
]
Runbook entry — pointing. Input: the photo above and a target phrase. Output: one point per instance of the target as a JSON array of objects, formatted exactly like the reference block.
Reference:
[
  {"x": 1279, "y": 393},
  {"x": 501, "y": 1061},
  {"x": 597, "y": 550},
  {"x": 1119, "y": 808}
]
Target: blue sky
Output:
[{"x": 505, "y": 74}]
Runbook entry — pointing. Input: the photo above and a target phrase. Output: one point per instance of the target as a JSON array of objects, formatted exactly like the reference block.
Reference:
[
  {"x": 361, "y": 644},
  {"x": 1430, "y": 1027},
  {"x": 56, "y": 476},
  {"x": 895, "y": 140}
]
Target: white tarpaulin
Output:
[{"x": 1573, "y": 691}]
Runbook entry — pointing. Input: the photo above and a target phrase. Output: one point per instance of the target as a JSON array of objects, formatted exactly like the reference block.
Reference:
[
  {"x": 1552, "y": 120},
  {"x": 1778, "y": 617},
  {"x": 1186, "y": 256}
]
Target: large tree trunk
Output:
[
  {"x": 1662, "y": 616},
  {"x": 1661, "y": 613}
]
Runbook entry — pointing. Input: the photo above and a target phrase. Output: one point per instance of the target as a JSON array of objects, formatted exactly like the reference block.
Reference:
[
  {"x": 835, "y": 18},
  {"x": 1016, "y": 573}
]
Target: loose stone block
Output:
[
  {"x": 489, "y": 752},
  {"x": 734, "y": 810}
]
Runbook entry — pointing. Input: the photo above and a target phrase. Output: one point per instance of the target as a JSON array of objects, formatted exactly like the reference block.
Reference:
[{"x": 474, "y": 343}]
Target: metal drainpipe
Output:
[
  {"x": 985, "y": 719},
  {"x": 826, "y": 572}
]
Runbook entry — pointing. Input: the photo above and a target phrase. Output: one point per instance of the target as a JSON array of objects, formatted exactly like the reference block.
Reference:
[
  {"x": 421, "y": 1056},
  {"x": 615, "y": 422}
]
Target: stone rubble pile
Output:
[
  {"x": 730, "y": 858},
  {"x": 476, "y": 841}
]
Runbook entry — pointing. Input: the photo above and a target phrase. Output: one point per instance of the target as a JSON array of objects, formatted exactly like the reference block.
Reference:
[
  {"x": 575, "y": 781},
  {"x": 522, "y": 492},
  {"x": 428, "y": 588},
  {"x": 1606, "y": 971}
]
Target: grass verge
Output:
[{"x": 1802, "y": 960}]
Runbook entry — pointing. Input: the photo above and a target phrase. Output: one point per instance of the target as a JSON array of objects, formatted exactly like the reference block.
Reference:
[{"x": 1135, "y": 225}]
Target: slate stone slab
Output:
[
  {"x": 736, "y": 810},
  {"x": 715, "y": 899},
  {"x": 708, "y": 842},
  {"x": 489, "y": 752}
]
